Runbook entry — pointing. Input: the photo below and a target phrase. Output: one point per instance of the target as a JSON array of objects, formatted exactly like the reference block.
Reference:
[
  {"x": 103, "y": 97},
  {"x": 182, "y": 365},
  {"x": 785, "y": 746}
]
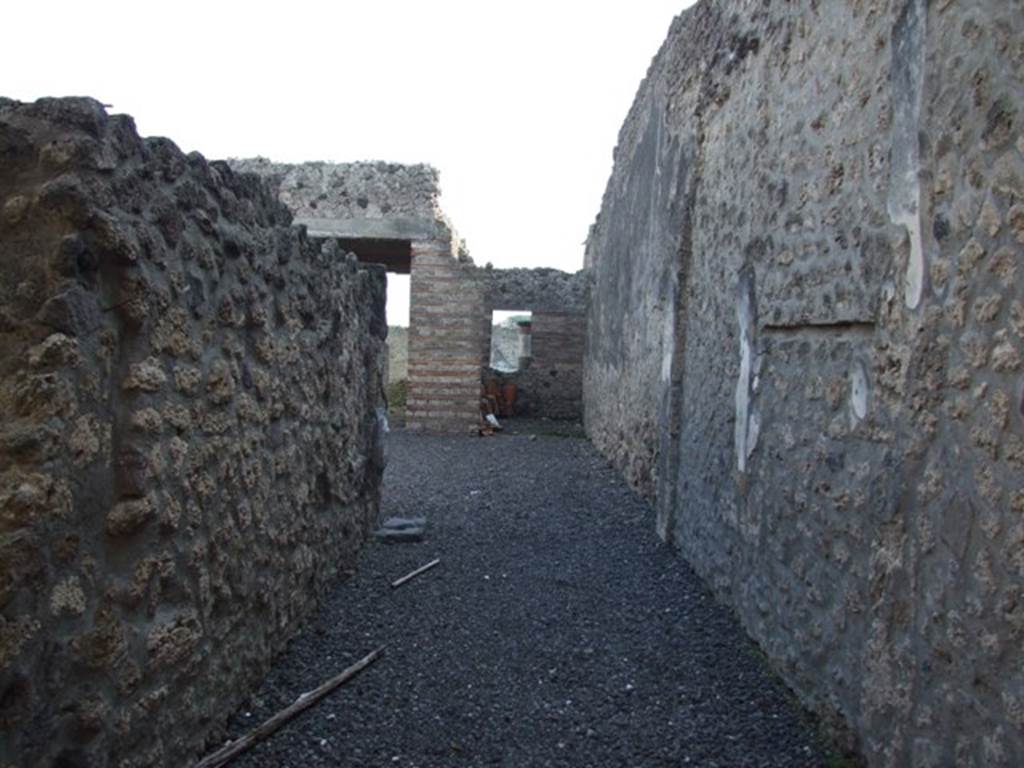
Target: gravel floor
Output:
[{"x": 557, "y": 631}]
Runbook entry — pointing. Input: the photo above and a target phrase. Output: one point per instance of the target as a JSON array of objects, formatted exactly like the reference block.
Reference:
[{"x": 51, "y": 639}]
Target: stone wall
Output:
[
  {"x": 189, "y": 441},
  {"x": 536, "y": 289},
  {"x": 805, "y": 340},
  {"x": 361, "y": 192}
]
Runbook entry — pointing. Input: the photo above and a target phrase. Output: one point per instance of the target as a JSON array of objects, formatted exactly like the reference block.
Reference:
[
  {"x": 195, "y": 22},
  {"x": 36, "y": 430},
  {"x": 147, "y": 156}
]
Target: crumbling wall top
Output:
[
  {"x": 541, "y": 289},
  {"x": 363, "y": 199}
]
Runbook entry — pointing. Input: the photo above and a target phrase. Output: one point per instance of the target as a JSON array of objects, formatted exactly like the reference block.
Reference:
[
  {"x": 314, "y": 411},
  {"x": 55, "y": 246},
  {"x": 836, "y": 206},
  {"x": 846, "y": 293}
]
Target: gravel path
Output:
[{"x": 557, "y": 631}]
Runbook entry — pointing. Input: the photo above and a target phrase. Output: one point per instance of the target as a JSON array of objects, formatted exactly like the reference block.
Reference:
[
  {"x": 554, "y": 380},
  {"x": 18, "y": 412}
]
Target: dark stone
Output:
[
  {"x": 396, "y": 530},
  {"x": 999, "y": 123},
  {"x": 14, "y": 144},
  {"x": 403, "y": 536},
  {"x": 74, "y": 312},
  {"x": 132, "y": 473},
  {"x": 232, "y": 250},
  {"x": 403, "y": 523},
  {"x": 65, "y": 260},
  {"x": 196, "y": 295}
]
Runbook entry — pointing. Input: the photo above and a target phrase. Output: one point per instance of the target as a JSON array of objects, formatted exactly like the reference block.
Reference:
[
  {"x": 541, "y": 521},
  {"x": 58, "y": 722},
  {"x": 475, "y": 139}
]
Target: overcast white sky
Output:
[{"x": 517, "y": 104}]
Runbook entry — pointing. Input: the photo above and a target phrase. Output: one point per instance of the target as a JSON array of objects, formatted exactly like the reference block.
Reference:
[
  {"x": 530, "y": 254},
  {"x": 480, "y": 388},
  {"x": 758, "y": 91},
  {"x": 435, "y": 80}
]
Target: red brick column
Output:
[{"x": 445, "y": 339}]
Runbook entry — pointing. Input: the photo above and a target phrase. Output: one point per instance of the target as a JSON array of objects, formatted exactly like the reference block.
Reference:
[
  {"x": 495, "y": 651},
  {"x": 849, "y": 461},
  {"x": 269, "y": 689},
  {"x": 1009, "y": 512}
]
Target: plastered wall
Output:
[{"x": 805, "y": 342}]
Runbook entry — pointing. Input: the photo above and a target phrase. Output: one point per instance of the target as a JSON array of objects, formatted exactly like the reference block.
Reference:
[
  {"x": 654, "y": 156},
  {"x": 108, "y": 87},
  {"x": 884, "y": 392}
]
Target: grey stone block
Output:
[{"x": 401, "y": 529}]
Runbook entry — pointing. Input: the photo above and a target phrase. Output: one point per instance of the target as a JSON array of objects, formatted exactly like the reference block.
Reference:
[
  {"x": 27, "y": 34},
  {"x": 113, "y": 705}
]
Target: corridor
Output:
[{"x": 556, "y": 631}]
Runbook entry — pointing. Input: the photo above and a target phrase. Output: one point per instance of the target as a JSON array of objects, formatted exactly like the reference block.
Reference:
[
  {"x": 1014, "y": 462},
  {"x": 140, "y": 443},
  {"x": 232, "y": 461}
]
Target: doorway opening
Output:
[
  {"x": 511, "y": 340},
  {"x": 396, "y": 378},
  {"x": 510, "y": 355}
]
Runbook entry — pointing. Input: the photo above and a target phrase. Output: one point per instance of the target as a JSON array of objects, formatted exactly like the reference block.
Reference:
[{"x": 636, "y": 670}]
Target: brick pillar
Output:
[{"x": 445, "y": 338}]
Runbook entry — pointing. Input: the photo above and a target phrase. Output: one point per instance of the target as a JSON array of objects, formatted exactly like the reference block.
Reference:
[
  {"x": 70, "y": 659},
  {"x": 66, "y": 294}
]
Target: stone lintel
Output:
[{"x": 392, "y": 228}]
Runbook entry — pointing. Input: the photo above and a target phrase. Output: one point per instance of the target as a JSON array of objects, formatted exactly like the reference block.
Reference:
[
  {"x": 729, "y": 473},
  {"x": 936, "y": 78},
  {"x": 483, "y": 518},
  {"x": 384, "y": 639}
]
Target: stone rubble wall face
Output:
[
  {"x": 189, "y": 443},
  {"x": 368, "y": 190},
  {"x": 805, "y": 336},
  {"x": 540, "y": 289}
]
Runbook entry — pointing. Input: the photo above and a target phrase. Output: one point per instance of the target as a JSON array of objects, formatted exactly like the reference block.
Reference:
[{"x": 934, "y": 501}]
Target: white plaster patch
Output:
[
  {"x": 668, "y": 346},
  {"x": 904, "y": 185},
  {"x": 742, "y": 402},
  {"x": 747, "y": 425},
  {"x": 753, "y": 432},
  {"x": 858, "y": 391},
  {"x": 913, "y": 279}
]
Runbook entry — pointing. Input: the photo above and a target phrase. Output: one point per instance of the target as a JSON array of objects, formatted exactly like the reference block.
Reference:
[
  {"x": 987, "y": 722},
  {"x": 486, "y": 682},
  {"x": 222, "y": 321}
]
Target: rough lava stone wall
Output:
[
  {"x": 805, "y": 338},
  {"x": 538, "y": 289},
  {"x": 367, "y": 190},
  {"x": 189, "y": 441}
]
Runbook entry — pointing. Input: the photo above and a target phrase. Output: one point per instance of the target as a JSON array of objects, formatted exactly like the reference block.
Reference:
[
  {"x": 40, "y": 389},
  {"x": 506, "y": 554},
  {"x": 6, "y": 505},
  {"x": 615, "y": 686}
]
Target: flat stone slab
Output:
[
  {"x": 400, "y": 523},
  {"x": 396, "y": 530}
]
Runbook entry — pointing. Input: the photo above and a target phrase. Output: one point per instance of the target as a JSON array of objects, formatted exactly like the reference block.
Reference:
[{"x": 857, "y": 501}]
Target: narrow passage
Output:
[{"x": 557, "y": 631}]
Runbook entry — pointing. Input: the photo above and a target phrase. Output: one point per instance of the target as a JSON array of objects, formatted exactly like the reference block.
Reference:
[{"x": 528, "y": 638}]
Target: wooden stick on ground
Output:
[
  {"x": 230, "y": 751},
  {"x": 414, "y": 574}
]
